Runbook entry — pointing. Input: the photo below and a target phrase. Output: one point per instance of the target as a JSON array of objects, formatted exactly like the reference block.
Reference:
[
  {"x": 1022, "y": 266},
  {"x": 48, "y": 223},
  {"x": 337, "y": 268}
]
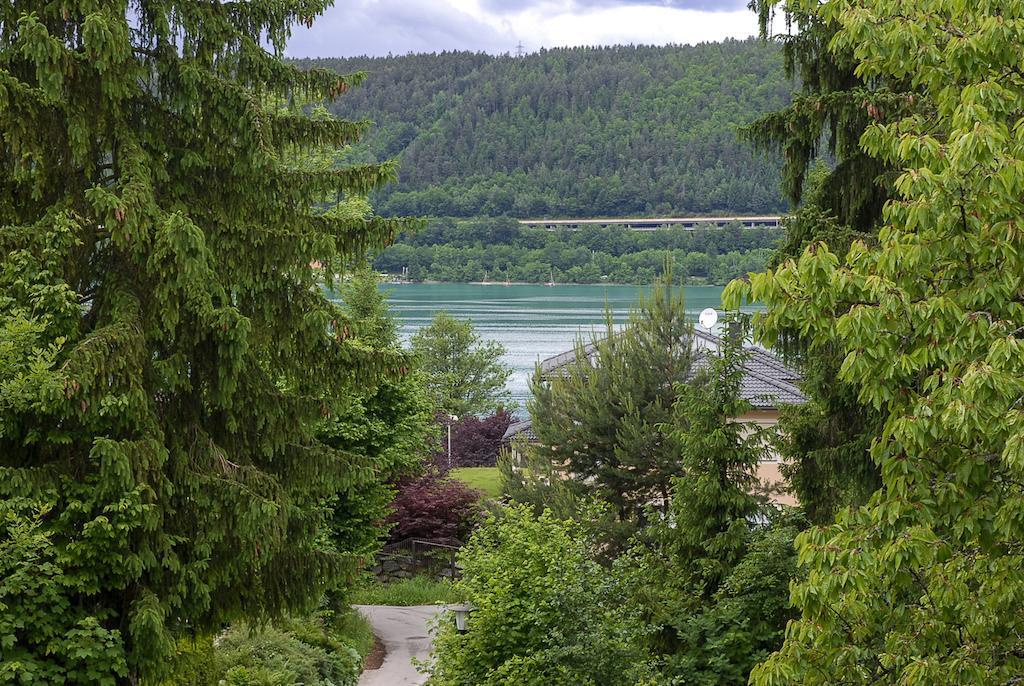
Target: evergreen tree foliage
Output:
[
  {"x": 389, "y": 423},
  {"x": 824, "y": 443},
  {"x": 464, "y": 372},
  {"x": 714, "y": 500},
  {"x": 596, "y": 131},
  {"x": 528, "y": 477},
  {"x": 163, "y": 239},
  {"x": 713, "y": 581},
  {"x": 922, "y": 585},
  {"x": 828, "y": 115},
  {"x": 606, "y": 420}
]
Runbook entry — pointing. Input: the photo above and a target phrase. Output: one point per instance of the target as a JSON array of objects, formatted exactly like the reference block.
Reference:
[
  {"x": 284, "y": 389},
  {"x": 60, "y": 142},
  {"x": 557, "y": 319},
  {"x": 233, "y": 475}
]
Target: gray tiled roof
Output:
[
  {"x": 764, "y": 386},
  {"x": 556, "y": 364},
  {"x": 524, "y": 428},
  {"x": 767, "y": 382}
]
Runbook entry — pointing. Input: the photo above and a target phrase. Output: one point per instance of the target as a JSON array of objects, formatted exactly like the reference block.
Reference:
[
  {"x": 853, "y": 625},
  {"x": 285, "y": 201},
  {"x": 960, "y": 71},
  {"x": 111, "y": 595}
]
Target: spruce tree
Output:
[
  {"x": 824, "y": 444},
  {"x": 164, "y": 239},
  {"x": 712, "y": 503},
  {"x": 388, "y": 423},
  {"x": 712, "y": 575},
  {"x": 826, "y": 117}
]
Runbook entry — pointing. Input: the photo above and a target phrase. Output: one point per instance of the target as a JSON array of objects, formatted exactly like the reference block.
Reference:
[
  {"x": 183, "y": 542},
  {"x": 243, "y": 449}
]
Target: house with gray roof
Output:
[{"x": 768, "y": 384}]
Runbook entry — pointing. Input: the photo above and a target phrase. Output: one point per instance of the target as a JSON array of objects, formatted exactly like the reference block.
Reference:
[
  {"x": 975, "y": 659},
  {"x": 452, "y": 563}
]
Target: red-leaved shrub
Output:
[
  {"x": 433, "y": 506},
  {"x": 476, "y": 442}
]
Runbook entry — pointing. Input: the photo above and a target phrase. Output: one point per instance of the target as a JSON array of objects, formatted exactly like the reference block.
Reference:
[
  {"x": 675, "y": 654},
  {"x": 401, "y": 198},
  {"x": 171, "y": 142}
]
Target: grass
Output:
[
  {"x": 419, "y": 590},
  {"x": 486, "y": 479},
  {"x": 352, "y": 629}
]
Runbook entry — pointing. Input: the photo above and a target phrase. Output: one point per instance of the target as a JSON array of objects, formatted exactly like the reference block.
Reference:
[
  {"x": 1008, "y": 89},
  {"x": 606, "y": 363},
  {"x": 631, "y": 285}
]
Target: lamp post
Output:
[
  {"x": 451, "y": 418},
  {"x": 461, "y": 613}
]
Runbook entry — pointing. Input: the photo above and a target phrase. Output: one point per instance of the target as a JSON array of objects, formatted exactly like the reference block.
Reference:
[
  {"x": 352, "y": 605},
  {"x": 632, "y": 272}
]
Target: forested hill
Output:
[{"x": 571, "y": 132}]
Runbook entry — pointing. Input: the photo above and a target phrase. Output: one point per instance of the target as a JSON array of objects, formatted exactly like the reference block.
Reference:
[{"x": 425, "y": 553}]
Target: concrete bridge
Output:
[{"x": 655, "y": 223}]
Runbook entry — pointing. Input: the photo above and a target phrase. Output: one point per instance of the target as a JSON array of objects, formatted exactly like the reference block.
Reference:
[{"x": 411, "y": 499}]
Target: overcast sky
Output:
[{"x": 379, "y": 27}]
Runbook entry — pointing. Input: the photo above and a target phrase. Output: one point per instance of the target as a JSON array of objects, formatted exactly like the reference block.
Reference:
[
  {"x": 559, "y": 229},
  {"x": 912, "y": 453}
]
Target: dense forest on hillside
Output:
[
  {"x": 499, "y": 249},
  {"x": 609, "y": 131}
]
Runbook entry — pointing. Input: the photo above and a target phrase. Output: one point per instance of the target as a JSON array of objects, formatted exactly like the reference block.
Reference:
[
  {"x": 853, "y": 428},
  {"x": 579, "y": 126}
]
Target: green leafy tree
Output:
[
  {"x": 922, "y": 585},
  {"x": 163, "y": 242},
  {"x": 465, "y": 374},
  {"x": 546, "y": 614},
  {"x": 825, "y": 443},
  {"x": 606, "y": 420},
  {"x": 46, "y": 636}
]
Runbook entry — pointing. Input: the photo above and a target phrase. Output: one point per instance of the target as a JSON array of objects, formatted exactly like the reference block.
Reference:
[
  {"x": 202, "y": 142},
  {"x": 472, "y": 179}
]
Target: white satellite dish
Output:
[{"x": 708, "y": 318}]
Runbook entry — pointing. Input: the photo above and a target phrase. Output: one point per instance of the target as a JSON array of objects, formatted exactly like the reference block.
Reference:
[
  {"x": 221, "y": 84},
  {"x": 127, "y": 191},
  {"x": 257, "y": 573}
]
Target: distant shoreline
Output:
[{"x": 430, "y": 282}]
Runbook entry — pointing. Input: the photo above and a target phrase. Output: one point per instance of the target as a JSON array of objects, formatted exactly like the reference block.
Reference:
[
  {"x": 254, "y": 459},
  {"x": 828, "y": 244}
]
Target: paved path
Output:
[{"x": 404, "y": 633}]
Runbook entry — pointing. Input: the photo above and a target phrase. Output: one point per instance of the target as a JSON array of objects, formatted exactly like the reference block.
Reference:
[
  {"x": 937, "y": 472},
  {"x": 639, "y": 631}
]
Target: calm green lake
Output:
[{"x": 532, "y": 321}]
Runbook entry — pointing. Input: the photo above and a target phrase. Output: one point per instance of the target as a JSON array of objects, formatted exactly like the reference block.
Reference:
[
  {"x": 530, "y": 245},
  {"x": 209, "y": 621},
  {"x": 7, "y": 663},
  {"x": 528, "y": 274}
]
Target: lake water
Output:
[{"x": 533, "y": 322}]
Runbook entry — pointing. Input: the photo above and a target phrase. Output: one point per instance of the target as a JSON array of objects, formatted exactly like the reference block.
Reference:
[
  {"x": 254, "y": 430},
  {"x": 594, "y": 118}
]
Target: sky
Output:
[{"x": 380, "y": 27}]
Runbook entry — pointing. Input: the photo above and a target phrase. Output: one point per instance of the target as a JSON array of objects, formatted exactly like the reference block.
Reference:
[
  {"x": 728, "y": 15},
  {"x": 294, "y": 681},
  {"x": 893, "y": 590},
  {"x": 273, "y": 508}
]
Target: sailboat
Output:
[{"x": 552, "y": 281}]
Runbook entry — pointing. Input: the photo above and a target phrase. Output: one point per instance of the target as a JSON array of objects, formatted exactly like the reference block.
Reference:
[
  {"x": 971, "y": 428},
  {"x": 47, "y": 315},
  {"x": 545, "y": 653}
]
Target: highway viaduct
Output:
[{"x": 655, "y": 223}]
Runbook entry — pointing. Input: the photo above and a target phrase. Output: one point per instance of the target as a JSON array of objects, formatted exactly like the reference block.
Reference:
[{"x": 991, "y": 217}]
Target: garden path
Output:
[{"x": 404, "y": 633}]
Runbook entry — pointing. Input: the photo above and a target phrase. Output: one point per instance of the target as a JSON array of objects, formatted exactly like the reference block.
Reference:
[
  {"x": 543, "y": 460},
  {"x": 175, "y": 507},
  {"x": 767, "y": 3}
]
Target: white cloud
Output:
[
  {"x": 629, "y": 24},
  {"x": 379, "y": 27}
]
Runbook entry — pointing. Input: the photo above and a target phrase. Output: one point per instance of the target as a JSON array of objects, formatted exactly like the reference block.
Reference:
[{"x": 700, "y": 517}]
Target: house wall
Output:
[{"x": 768, "y": 472}]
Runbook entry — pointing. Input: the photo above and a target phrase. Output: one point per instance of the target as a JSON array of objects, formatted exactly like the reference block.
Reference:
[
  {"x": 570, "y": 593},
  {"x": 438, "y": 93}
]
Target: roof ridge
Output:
[{"x": 758, "y": 354}]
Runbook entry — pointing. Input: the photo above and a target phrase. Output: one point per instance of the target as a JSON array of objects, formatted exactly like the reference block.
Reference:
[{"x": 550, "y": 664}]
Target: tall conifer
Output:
[
  {"x": 162, "y": 258},
  {"x": 606, "y": 418}
]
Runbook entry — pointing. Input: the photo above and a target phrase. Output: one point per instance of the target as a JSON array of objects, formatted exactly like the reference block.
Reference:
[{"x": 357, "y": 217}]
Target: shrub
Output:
[
  {"x": 546, "y": 613},
  {"x": 476, "y": 441},
  {"x": 298, "y": 652},
  {"x": 325, "y": 649},
  {"x": 432, "y": 506},
  {"x": 195, "y": 663}
]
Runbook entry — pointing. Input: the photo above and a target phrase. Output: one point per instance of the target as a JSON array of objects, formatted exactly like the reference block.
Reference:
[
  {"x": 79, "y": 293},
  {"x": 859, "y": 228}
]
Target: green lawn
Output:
[{"x": 486, "y": 479}]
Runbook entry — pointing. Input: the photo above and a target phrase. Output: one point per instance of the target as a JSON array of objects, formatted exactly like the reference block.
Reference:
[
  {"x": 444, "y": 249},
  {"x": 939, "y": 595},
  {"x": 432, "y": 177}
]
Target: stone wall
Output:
[{"x": 396, "y": 565}]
